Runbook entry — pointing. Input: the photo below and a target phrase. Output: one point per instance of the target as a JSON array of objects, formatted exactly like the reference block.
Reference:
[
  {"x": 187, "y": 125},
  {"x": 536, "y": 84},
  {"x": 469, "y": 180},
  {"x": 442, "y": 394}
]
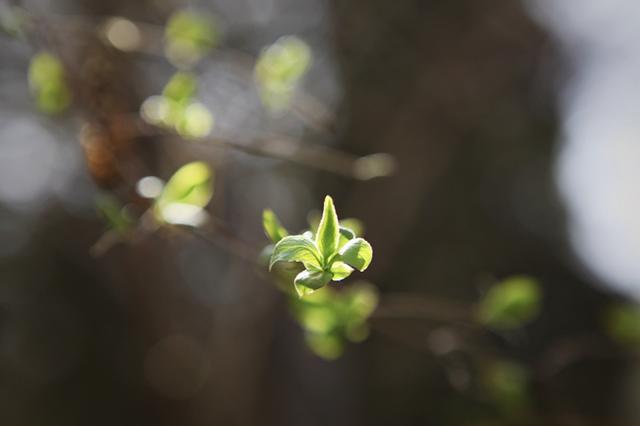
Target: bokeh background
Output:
[{"x": 475, "y": 140}]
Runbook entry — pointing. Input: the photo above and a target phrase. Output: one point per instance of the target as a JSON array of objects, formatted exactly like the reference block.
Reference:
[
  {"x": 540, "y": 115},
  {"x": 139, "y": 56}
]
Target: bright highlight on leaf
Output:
[
  {"x": 331, "y": 255},
  {"x": 510, "y": 303},
  {"x": 47, "y": 83},
  {"x": 188, "y": 37},
  {"x": 279, "y": 69},
  {"x": 185, "y": 195}
]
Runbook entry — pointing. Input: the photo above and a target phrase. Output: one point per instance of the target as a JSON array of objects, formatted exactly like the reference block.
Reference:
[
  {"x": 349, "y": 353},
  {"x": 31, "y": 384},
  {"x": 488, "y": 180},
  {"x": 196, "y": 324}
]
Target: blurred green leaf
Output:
[
  {"x": 279, "y": 68},
  {"x": 328, "y": 235},
  {"x": 47, "y": 83},
  {"x": 623, "y": 323},
  {"x": 507, "y": 384},
  {"x": 333, "y": 316},
  {"x": 196, "y": 121},
  {"x": 189, "y": 36},
  {"x": 272, "y": 227},
  {"x": 117, "y": 218},
  {"x": 186, "y": 193},
  {"x": 510, "y": 303},
  {"x": 326, "y": 346},
  {"x": 357, "y": 253},
  {"x": 296, "y": 248},
  {"x": 181, "y": 87}
]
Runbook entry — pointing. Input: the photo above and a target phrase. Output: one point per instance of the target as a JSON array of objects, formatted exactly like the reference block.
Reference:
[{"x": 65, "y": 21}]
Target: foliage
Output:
[
  {"x": 183, "y": 198},
  {"x": 118, "y": 218},
  {"x": 278, "y": 70},
  {"x": 507, "y": 384},
  {"x": 177, "y": 108},
  {"x": 331, "y": 317},
  {"x": 329, "y": 255},
  {"x": 511, "y": 303},
  {"x": 47, "y": 83},
  {"x": 189, "y": 36}
]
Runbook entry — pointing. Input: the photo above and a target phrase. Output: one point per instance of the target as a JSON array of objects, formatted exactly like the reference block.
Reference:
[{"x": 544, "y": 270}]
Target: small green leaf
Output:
[
  {"x": 510, "y": 303},
  {"x": 117, "y": 218},
  {"x": 272, "y": 227},
  {"x": 296, "y": 248},
  {"x": 311, "y": 280},
  {"x": 181, "y": 87},
  {"x": 340, "y": 271},
  {"x": 189, "y": 35},
  {"x": 346, "y": 235},
  {"x": 47, "y": 83},
  {"x": 190, "y": 184},
  {"x": 357, "y": 253},
  {"x": 278, "y": 70},
  {"x": 185, "y": 195},
  {"x": 328, "y": 235}
]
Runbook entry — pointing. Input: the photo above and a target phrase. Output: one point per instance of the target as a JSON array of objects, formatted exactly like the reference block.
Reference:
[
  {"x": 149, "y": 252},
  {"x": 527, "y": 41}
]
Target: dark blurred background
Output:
[{"x": 514, "y": 133}]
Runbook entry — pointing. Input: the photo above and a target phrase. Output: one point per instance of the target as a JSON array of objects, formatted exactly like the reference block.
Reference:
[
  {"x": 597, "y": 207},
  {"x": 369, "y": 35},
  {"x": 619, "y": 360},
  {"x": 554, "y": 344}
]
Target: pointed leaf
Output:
[
  {"x": 340, "y": 271},
  {"x": 357, "y": 253},
  {"x": 272, "y": 227},
  {"x": 328, "y": 235},
  {"x": 296, "y": 248}
]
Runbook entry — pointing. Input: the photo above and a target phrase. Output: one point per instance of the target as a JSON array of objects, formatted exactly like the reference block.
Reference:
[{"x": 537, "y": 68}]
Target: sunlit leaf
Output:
[
  {"x": 296, "y": 248},
  {"x": 328, "y": 235},
  {"x": 510, "y": 303},
  {"x": 357, "y": 253},
  {"x": 340, "y": 271},
  {"x": 272, "y": 227},
  {"x": 186, "y": 193}
]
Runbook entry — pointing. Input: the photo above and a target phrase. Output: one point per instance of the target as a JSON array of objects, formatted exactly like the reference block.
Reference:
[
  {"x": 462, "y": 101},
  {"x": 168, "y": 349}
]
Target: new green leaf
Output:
[
  {"x": 340, "y": 271},
  {"x": 272, "y": 227},
  {"x": 357, "y": 253},
  {"x": 328, "y": 235},
  {"x": 296, "y": 248},
  {"x": 510, "y": 303},
  {"x": 186, "y": 194}
]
